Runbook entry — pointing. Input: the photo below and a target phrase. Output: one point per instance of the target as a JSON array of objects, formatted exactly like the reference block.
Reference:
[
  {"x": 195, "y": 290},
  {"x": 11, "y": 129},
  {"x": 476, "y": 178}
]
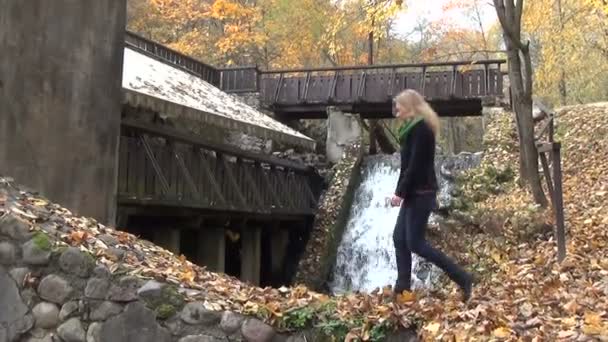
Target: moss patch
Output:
[
  {"x": 42, "y": 241},
  {"x": 167, "y": 303},
  {"x": 165, "y": 311}
]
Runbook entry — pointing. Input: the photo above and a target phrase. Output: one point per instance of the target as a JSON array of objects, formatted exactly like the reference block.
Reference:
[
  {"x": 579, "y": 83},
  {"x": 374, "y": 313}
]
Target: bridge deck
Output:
[
  {"x": 455, "y": 89},
  {"x": 164, "y": 167}
]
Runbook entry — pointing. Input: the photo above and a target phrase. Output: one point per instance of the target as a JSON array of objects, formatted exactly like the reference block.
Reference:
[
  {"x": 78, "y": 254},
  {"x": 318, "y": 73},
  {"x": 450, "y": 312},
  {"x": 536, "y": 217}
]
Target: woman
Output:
[{"x": 416, "y": 192}]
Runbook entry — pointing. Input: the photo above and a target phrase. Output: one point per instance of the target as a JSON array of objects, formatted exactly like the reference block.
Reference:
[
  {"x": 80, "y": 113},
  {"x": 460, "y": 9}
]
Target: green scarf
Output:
[{"x": 407, "y": 126}]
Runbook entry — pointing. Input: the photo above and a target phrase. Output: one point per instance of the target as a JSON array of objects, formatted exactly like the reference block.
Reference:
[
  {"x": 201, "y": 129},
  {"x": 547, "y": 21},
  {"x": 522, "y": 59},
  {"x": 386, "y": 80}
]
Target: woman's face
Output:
[{"x": 403, "y": 112}]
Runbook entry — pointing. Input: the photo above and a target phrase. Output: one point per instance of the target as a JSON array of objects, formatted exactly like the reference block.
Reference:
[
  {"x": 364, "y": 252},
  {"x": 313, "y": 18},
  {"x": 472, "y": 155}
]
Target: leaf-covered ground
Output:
[{"x": 523, "y": 293}]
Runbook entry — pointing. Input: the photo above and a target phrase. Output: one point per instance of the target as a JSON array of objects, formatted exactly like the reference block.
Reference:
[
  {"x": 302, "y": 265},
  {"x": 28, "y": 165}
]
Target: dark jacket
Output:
[{"x": 417, "y": 162}]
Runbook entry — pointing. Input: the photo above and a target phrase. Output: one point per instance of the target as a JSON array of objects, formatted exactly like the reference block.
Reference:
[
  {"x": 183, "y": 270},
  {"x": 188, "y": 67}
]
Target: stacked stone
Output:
[{"x": 51, "y": 294}]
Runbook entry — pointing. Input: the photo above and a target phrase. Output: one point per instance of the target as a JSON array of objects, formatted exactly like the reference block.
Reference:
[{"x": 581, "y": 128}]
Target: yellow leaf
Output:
[
  {"x": 406, "y": 296},
  {"x": 502, "y": 332},
  {"x": 496, "y": 256},
  {"x": 39, "y": 202},
  {"x": 432, "y": 328},
  {"x": 593, "y": 324},
  {"x": 569, "y": 322},
  {"x": 187, "y": 276}
]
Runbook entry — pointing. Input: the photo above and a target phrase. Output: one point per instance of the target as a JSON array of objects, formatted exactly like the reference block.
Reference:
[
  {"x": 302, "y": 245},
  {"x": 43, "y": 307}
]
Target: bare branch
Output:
[
  {"x": 503, "y": 14},
  {"x": 468, "y": 52}
]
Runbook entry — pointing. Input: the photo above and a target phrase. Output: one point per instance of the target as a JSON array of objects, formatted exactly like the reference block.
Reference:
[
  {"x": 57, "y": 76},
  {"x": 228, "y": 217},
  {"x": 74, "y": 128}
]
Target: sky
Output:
[{"x": 432, "y": 11}]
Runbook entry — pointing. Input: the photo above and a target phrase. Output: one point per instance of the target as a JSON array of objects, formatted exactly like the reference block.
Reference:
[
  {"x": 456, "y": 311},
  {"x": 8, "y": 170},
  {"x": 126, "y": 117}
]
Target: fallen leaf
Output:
[
  {"x": 526, "y": 309},
  {"x": 432, "y": 327},
  {"x": 501, "y": 332},
  {"x": 405, "y": 297},
  {"x": 571, "y": 307},
  {"x": 77, "y": 236}
]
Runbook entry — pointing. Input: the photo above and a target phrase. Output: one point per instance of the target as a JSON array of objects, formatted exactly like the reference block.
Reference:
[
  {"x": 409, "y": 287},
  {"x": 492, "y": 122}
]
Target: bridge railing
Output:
[
  {"x": 240, "y": 79},
  {"x": 379, "y": 83},
  {"x": 161, "y": 166},
  {"x": 159, "y": 51}
]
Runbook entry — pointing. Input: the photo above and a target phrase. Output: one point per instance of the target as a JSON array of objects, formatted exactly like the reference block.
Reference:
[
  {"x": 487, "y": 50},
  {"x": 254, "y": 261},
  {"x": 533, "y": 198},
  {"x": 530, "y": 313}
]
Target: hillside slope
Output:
[
  {"x": 509, "y": 242},
  {"x": 522, "y": 295}
]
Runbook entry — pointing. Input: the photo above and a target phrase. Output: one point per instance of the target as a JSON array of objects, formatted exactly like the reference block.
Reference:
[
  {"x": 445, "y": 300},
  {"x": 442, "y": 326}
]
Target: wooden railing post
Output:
[
  {"x": 553, "y": 176},
  {"x": 558, "y": 201}
]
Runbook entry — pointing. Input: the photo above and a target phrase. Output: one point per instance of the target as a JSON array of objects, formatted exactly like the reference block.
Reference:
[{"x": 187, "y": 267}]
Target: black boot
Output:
[{"x": 467, "y": 288}]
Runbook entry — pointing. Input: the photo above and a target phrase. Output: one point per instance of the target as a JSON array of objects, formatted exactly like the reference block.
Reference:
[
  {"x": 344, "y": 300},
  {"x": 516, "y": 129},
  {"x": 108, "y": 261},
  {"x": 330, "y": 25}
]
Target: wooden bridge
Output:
[{"x": 452, "y": 88}]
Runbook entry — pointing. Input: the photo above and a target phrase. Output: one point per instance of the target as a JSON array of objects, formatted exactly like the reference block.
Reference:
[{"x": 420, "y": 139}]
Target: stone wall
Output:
[
  {"x": 60, "y": 71},
  {"x": 65, "y": 278},
  {"x": 50, "y": 293},
  {"x": 330, "y": 220},
  {"x": 63, "y": 284}
]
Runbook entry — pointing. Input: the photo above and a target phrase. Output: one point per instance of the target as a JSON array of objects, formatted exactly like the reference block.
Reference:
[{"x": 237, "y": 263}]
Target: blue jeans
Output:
[{"x": 409, "y": 236}]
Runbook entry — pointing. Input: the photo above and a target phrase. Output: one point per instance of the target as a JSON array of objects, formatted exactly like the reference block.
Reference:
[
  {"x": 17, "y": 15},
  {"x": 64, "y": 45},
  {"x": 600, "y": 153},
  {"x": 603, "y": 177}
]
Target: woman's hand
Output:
[{"x": 396, "y": 201}]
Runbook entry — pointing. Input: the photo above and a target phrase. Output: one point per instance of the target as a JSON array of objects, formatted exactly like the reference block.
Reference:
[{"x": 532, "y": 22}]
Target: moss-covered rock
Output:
[
  {"x": 42, "y": 242},
  {"x": 164, "y": 300},
  {"x": 165, "y": 311}
]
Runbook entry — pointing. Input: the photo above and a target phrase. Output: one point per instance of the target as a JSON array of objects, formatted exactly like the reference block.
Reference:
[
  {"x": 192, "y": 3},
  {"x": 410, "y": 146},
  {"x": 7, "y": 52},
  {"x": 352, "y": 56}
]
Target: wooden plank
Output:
[
  {"x": 331, "y": 91},
  {"x": 231, "y": 181},
  {"x": 282, "y": 186},
  {"x": 152, "y": 159},
  {"x": 256, "y": 192},
  {"x": 559, "y": 202},
  {"x": 279, "y": 88},
  {"x": 548, "y": 179},
  {"x": 270, "y": 189},
  {"x": 217, "y": 189},
  {"x": 306, "y": 87},
  {"x": 423, "y": 81},
  {"x": 187, "y": 176},
  {"x": 290, "y": 91},
  {"x": 344, "y": 88}
]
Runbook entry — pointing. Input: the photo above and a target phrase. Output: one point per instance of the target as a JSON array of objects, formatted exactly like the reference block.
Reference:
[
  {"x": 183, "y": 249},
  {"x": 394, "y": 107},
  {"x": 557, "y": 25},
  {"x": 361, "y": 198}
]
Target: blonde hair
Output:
[{"x": 410, "y": 98}]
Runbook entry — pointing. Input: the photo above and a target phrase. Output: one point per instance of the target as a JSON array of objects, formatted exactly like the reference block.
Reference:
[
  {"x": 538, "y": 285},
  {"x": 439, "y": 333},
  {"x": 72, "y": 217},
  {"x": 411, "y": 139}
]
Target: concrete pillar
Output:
[
  {"x": 342, "y": 129},
  {"x": 251, "y": 246},
  {"x": 60, "y": 99},
  {"x": 211, "y": 249},
  {"x": 168, "y": 238},
  {"x": 279, "y": 242}
]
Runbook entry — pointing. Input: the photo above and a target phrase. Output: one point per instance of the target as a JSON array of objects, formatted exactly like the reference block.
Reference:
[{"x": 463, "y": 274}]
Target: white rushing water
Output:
[{"x": 366, "y": 254}]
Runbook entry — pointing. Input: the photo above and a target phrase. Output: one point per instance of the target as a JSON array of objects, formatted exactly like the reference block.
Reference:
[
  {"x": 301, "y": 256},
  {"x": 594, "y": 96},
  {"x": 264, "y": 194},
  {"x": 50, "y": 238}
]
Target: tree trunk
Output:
[
  {"x": 563, "y": 89},
  {"x": 522, "y": 104},
  {"x": 520, "y": 80}
]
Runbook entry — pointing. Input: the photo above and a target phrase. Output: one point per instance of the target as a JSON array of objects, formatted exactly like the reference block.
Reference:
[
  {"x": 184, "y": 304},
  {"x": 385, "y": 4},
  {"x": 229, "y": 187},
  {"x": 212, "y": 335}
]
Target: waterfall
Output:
[{"x": 366, "y": 257}]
